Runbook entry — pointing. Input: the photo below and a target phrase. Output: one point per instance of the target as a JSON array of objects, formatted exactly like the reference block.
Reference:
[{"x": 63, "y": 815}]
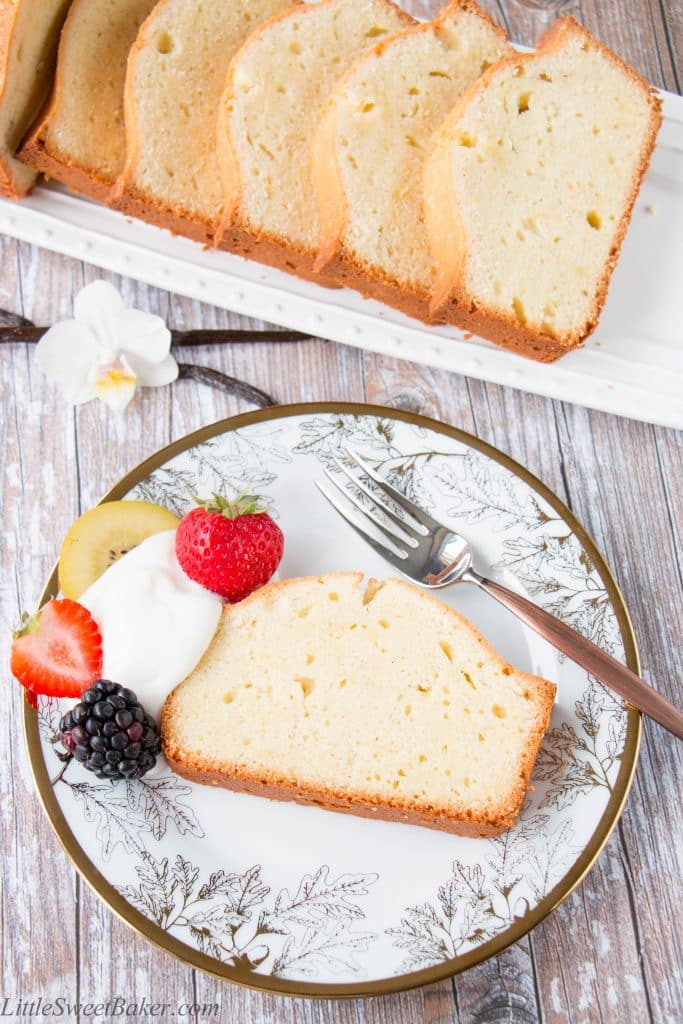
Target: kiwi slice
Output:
[{"x": 99, "y": 537}]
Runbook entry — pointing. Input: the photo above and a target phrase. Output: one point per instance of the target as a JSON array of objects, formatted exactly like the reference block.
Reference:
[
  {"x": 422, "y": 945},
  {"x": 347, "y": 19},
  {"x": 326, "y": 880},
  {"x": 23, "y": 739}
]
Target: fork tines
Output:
[{"x": 400, "y": 532}]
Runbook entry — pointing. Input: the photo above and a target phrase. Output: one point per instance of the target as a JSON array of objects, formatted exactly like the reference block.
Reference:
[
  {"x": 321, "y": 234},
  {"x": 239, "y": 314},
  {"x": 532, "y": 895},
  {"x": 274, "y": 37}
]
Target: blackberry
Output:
[{"x": 110, "y": 733}]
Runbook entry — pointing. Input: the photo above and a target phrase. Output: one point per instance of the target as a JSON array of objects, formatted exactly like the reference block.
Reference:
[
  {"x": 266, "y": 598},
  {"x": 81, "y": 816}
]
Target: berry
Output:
[
  {"x": 105, "y": 732},
  {"x": 57, "y": 651},
  {"x": 230, "y": 547}
]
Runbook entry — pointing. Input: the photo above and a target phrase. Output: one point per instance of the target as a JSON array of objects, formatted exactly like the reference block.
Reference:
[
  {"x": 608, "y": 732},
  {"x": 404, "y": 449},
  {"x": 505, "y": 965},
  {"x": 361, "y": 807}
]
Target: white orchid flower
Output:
[{"x": 106, "y": 350}]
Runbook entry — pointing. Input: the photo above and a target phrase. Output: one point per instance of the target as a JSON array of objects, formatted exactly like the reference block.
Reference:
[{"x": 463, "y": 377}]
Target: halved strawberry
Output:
[{"x": 58, "y": 651}]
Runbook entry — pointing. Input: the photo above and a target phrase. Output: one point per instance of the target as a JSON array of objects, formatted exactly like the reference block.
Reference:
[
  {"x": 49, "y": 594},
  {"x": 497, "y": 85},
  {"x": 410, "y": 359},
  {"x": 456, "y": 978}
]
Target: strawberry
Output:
[
  {"x": 230, "y": 547},
  {"x": 58, "y": 651}
]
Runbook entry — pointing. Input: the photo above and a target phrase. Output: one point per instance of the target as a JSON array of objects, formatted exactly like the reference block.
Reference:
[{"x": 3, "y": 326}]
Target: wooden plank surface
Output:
[{"x": 612, "y": 952}]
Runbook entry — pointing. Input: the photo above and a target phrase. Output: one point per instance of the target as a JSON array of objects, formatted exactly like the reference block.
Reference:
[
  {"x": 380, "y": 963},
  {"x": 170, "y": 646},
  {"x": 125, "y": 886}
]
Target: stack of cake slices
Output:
[{"x": 428, "y": 166}]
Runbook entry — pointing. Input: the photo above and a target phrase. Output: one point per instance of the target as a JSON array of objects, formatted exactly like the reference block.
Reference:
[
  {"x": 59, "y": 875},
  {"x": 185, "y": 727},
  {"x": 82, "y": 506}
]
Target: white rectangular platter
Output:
[{"x": 632, "y": 366}]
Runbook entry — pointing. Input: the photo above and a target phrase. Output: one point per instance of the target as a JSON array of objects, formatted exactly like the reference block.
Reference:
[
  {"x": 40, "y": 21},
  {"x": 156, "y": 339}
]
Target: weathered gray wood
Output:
[
  {"x": 612, "y": 952},
  {"x": 622, "y": 498},
  {"x": 38, "y": 934}
]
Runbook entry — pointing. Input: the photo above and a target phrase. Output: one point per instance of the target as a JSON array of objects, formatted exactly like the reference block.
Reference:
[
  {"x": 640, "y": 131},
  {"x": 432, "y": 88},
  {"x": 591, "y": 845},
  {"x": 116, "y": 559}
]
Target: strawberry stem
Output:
[
  {"x": 28, "y": 624},
  {"x": 244, "y": 504}
]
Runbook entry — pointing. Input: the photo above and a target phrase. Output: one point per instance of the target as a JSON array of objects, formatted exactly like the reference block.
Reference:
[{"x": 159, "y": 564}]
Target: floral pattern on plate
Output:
[{"x": 269, "y": 889}]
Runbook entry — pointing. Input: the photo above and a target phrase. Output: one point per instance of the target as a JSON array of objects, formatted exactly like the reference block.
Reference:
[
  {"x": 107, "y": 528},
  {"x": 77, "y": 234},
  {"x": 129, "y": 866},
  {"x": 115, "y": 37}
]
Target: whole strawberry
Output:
[{"x": 230, "y": 547}]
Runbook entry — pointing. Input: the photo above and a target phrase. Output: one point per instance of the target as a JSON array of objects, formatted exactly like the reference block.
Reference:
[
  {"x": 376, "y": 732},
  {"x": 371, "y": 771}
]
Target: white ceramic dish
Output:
[
  {"x": 632, "y": 366},
  {"x": 305, "y": 901}
]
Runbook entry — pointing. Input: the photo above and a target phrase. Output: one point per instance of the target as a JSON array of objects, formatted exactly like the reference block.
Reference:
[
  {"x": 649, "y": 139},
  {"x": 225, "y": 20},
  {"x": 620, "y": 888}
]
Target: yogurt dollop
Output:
[{"x": 155, "y": 621}]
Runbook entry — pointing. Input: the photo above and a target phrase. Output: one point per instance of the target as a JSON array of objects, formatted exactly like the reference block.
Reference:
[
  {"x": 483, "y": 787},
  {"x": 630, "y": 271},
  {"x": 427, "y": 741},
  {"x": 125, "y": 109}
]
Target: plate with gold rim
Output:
[{"x": 304, "y": 901}]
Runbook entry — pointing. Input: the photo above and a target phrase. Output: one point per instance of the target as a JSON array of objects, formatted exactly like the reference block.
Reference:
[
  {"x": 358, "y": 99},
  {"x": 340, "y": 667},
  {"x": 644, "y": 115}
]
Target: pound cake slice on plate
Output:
[
  {"x": 371, "y": 698},
  {"x": 370, "y": 145},
  {"x": 529, "y": 188},
  {"x": 176, "y": 76},
  {"x": 276, "y": 86},
  {"x": 80, "y": 139},
  {"x": 29, "y": 35}
]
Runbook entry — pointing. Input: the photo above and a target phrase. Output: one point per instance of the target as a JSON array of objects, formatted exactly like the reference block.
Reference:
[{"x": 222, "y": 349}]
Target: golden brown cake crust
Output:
[
  {"x": 9, "y": 14},
  {"x": 34, "y": 152},
  {"x": 450, "y": 301},
  {"x": 134, "y": 203},
  {"x": 271, "y": 251},
  {"x": 345, "y": 270},
  {"x": 51, "y": 161},
  {"x": 330, "y": 800},
  {"x": 462, "y": 822},
  {"x": 8, "y": 17},
  {"x": 233, "y": 233},
  {"x": 333, "y": 257},
  {"x": 124, "y": 196}
]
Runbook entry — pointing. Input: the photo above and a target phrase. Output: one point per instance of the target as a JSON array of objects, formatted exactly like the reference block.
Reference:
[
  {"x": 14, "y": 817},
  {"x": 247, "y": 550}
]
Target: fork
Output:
[{"x": 433, "y": 556}]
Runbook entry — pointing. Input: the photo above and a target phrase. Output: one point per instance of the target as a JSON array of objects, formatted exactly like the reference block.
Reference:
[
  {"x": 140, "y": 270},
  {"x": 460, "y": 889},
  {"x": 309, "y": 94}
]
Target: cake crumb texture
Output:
[
  {"x": 373, "y": 699},
  {"x": 29, "y": 36},
  {"x": 80, "y": 140},
  {"x": 529, "y": 188}
]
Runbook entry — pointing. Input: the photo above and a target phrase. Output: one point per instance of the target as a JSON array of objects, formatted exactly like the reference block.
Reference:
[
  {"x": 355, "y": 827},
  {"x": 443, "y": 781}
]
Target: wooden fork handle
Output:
[{"x": 588, "y": 655}]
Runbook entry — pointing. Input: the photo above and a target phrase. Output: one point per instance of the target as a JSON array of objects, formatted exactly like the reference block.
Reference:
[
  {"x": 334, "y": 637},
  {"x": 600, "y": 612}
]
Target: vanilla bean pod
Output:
[
  {"x": 231, "y": 385},
  {"x": 14, "y": 327}
]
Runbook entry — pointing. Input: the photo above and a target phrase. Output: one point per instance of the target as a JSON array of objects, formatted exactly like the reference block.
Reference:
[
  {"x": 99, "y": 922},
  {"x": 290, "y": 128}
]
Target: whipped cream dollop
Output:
[{"x": 155, "y": 621}]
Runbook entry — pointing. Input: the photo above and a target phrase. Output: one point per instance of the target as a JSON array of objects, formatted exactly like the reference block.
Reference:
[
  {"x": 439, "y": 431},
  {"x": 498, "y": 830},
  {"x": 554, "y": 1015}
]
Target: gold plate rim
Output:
[{"x": 396, "y": 983}]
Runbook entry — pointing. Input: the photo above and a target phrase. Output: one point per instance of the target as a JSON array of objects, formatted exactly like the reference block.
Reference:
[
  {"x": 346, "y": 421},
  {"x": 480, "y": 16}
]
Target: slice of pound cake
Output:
[
  {"x": 176, "y": 76},
  {"x": 370, "y": 145},
  {"x": 29, "y": 35},
  {"x": 372, "y": 698},
  {"x": 529, "y": 189},
  {"x": 276, "y": 85},
  {"x": 80, "y": 139}
]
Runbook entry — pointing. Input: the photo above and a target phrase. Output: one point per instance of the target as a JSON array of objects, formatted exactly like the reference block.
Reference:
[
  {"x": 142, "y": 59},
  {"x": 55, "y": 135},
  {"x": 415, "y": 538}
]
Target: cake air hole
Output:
[
  {"x": 164, "y": 43},
  {"x": 307, "y": 685},
  {"x": 518, "y": 308},
  {"x": 447, "y": 649}
]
